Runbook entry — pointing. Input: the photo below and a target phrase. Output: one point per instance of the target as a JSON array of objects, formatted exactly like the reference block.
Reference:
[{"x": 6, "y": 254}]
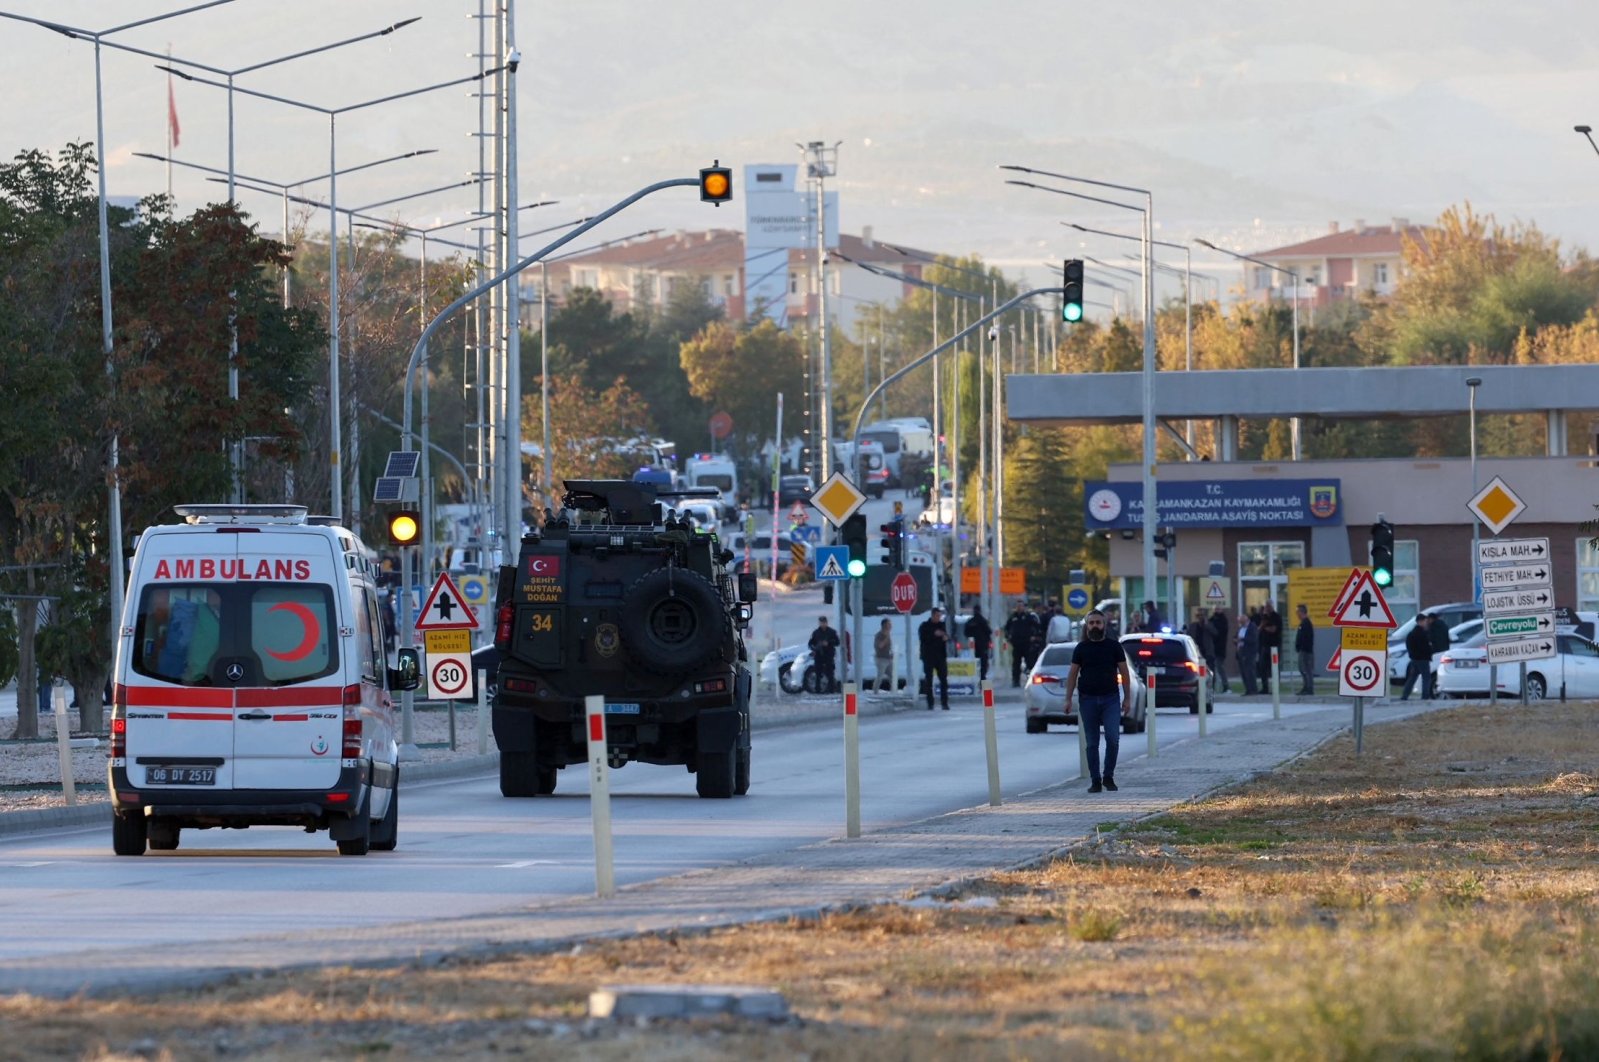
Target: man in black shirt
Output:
[
  {"x": 981, "y": 635},
  {"x": 1019, "y": 632},
  {"x": 1418, "y": 643},
  {"x": 1098, "y": 663},
  {"x": 933, "y": 640},
  {"x": 1305, "y": 650},
  {"x": 824, "y": 647}
]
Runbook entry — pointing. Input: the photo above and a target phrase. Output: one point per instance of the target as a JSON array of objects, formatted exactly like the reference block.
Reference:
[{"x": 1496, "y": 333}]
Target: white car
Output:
[
  {"x": 777, "y": 668},
  {"x": 801, "y": 677},
  {"x": 1463, "y": 671},
  {"x": 1045, "y": 693},
  {"x": 1453, "y": 614},
  {"x": 705, "y": 512}
]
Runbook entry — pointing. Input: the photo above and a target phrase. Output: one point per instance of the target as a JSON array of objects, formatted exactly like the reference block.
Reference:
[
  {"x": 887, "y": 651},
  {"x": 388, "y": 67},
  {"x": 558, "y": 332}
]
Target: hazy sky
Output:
[{"x": 1253, "y": 124}]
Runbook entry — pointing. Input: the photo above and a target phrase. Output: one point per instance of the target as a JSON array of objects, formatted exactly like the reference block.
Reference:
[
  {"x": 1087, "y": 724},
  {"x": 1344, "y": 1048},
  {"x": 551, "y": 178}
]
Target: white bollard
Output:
[
  {"x": 1204, "y": 696},
  {"x": 1276, "y": 695},
  {"x": 482, "y": 713},
  {"x": 69, "y": 785},
  {"x": 991, "y": 741},
  {"x": 600, "y": 798},
  {"x": 852, "y": 763},
  {"x": 1149, "y": 715}
]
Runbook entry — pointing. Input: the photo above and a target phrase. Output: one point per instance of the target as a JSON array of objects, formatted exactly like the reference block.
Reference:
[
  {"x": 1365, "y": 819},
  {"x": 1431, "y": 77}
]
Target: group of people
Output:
[
  {"x": 1426, "y": 639},
  {"x": 932, "y": 641},
  {"x": 1029, "y": 629},
  {"x": 1260, "y": 630}
]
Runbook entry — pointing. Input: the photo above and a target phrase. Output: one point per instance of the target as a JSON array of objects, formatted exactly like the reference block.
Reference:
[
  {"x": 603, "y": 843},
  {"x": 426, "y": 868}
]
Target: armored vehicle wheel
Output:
[
  {"x": 518, "y": 775},
  {"x": 128, "y": 834},
  {"x": 675, "y": 622},
  {"x": 715, "y": 778},
  {"x": 163, "y": 836},
  {"x": 741, "y": 777}
]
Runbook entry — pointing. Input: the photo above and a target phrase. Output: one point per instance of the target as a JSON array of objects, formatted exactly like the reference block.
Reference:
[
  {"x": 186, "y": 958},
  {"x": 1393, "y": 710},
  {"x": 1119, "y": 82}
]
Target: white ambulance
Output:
[{"x": 251, "y": 686}]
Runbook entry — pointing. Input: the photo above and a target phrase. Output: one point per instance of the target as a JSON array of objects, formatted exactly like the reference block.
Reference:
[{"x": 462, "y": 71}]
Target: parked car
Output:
[
  {"x": 487, "y": 659},
  {"x": 1045, "y": 693},
  {"x": 1463, "y": 671},
  {"x": 800, "y": 675},
  {"x": 777, "y": 668},
  {"x": 1453, "y": 615},
  {"x": 1174, "y": 661},
  {"x": 705, "y": 512},
  {"x": 761, "y": 550},
  {"x": 791, "y": 489}
]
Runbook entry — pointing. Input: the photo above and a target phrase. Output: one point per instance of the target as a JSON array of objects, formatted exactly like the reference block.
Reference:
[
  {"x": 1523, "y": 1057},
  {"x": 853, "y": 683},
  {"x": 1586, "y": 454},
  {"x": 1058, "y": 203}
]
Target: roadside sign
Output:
[
  {"x": 1335, "y": 665},
  {"x": 796, "y": 553},
  {"x": 1496, "y": 505},
  {"x": 449, "y": 676},
  {"x": 1315, "y": 588},
  {"x": 832, "y": 562},
  {"x": 474, "y": 589},
  {"x": 838, "y": 498},
  {"x": 1513, "y": 551},
  {"x": 1501, "y": 601},
  {"x": 1350, "y": 581},
  {"x": 1364, "y": 638},
  {"x": 1520, "y": 625},
  {"x": 1013, "y": 581},
  {"x": 903, "y": 592},
  {"x": 1077, "y": 601},
  {"x": 807, "y": 533},
  {"x": 1363, "y": 673},
  {"x": 454, "y": 640},
  {"x": 798, "y": 513},
  {"x": 1520, "y": 649},
  {"x": 446, "y": 608},
  {"x": 1364, "y": 606},
  {"x": 1516, "y": 577},
  {"x": 1215, "y": 593},
  {"x": 971, "y": 580}
]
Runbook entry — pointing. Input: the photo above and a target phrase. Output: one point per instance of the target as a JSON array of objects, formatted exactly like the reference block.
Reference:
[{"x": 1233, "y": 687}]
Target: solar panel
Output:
[
  {"x": 403, "y": 463},
  {"x": 388, "y": 489}
]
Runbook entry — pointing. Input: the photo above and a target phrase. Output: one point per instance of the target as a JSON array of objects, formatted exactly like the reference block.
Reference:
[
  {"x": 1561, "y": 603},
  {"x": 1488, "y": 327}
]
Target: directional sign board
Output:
[
  {"x": 1516, "y": 577},
  {"x": 1363, "y": 606},
  {"x": 832, "y": 562},
  {"x": 1520, "y": 649},
  {"x": 1497, "y": 602},
  {"x": 1518, "y": 626},
  {"x": 806, "y": 533},
  {"x": 838, "y": 498},
  {"x": 1077, "y": 601},
  {"x": 1362, "y": 673},
  {"x": 446, "y": 609},
  {"x": 1513, "y": 551},
  {"x": 1496, "y": 505}
]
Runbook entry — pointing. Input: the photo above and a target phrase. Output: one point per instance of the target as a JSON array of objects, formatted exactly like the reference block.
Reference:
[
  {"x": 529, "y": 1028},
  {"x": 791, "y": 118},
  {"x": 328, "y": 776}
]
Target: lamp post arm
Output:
[
  {"x": 164, "y": 17},
  {"x": 1079, "y": 180},
  {"x": 1076, "y": 195},
  {"x": 327, "y": 47},
  {"x": 487, "y": 285}
]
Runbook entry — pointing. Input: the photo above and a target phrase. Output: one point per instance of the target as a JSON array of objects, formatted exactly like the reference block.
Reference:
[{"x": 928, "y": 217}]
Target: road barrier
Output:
[
  {"x": 991, "y": 741},
  {"x": 600, "y": 797}
]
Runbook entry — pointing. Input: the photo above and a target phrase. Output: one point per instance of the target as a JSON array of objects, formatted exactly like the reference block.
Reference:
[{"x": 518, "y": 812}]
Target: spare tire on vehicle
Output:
[{"x": 674, "y": 621}]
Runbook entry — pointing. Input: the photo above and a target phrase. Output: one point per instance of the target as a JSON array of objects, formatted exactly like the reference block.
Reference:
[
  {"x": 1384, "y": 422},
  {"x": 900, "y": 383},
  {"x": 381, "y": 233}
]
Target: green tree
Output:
[{"x": 742, "y": 372}]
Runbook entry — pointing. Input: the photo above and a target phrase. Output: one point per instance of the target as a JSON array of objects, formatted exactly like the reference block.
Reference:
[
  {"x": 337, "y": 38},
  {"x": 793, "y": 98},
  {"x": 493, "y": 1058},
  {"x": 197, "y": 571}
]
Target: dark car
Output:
[
  {"x": 1173, "y": 660},
  {"x": 487, "y": 659},
  {"x": 791, "y": 489}
]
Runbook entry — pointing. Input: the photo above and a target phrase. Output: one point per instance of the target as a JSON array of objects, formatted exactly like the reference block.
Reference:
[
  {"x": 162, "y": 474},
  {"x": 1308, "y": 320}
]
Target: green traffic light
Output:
[
  {"x": 1072, "y": 312},
  {"x": 1382, "y": 577},
  {"x": 857, "y": 568}
]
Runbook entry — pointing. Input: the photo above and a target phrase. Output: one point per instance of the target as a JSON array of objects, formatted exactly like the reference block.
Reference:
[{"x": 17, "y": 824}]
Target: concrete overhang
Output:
[{"x": 1364, "y": 393}]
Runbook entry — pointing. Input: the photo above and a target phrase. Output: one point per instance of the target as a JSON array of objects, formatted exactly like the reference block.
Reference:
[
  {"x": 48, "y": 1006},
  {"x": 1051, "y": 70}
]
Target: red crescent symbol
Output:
[{"x": 313, "y": 632}]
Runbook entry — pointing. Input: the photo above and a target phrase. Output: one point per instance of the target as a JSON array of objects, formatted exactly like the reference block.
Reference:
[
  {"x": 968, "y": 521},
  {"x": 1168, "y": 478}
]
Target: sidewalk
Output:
[{"x": 932, "y": 856}]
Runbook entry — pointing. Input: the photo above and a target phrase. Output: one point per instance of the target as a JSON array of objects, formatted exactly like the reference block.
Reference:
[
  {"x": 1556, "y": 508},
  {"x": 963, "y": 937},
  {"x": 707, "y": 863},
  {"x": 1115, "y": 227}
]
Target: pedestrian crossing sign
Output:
[{"x": 832, "y": 562}]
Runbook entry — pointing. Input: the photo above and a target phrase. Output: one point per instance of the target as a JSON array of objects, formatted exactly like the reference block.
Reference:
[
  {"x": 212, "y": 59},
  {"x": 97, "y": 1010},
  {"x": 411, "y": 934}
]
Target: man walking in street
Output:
[
  {"x": 1418, "y": 643},
  {"x": 1305, "y": 650},
  {"x": 1019, "y": 634},
  {"x": 1199, "y": 631},
  {"x": 933, "y": 639},
  {"x": 1438, "y": 636},
  {"x": 883, "y": 656},
  {"x": 981, "y": 635},
  {"x": 1248, "y": 650},
  {"x": 1219, "y": 630},
  {"x": 1271, "y": 637},
  {"x": 1104, "y": 686},
  {"x": 824, "y": 648}
]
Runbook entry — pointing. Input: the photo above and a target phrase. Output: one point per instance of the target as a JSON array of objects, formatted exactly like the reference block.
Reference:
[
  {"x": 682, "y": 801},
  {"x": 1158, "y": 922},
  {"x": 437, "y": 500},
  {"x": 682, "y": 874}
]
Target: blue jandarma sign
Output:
[{"x": 1219, "y": 503}]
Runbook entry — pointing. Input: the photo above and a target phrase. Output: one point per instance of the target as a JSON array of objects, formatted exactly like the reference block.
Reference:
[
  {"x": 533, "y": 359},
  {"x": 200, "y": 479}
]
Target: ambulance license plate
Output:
[
  {"x": 622, "y": 707},
  {"x": 161, "y": 775}
]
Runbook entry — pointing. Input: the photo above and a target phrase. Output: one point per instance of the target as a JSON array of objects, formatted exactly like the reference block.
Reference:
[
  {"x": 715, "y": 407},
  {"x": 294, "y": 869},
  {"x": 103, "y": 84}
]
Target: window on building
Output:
[
  {"x": 729, "y": 285},
  {"x": 1587, "y": 575},
  {"x": 1263, "y": 573},
  {"x": 1379, "y": 273},
  {"x": 793, "y": 283},
  {"x": 586, "y": 278},
  {"x": 1404, "y": 595},
  {"x": 1262, "y": 278}
]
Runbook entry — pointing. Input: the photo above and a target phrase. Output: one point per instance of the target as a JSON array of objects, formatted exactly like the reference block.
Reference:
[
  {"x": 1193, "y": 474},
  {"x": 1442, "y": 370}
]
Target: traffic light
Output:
[
  {"x": 1071, "y": 303},
  {"x": 1165, "y": 542},
  {"x": 404, "y": 526},
  {"x": 716, "y": 184},
  {"x": 853, "y": 535},
  {"x": 894, "y": 544},
  {"x": 1382, "y": 552}
]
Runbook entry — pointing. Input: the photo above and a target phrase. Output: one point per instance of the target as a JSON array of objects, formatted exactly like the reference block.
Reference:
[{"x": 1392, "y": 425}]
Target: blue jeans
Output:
[{"x": 1094, "y": 712}]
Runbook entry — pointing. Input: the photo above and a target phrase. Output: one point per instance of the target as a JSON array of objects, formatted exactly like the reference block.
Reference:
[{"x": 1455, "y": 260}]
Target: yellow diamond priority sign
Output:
[
  {"x": 838, "y": 499},
  {"x": 1496, "y": 505}
]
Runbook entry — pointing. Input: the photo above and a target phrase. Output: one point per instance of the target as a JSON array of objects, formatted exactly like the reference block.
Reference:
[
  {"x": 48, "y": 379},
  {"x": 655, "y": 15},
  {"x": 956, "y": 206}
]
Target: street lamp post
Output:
[
  {"x": 1293, "y": 423},
  {"x": 1151, "y": 516},
  {"x": 1472, "y": 383}
]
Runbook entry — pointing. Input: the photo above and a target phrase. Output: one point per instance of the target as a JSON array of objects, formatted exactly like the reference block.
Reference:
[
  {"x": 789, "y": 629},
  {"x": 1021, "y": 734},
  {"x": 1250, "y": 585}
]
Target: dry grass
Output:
[{"x": 1436, "y": 899}]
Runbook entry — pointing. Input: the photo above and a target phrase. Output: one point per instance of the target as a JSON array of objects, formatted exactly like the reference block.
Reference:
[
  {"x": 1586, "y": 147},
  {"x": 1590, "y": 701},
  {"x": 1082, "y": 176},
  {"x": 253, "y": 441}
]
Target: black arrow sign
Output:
[{"x": 1542, "y": 573}]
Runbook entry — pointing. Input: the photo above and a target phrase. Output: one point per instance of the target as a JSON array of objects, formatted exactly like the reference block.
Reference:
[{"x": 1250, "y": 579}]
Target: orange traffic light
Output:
[
  {"x": 716, "y": 184},
  {"x": 404, "y": 526}
]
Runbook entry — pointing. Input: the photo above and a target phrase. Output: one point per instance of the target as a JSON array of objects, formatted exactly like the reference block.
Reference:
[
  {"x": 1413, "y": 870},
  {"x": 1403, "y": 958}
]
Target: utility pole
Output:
[{"x": 821, "y": 162}]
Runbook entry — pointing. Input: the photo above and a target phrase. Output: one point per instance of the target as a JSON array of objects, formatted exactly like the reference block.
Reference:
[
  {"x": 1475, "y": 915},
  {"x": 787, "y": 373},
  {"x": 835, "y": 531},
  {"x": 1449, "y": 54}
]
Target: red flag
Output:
[{"x": 173, "y": 129}]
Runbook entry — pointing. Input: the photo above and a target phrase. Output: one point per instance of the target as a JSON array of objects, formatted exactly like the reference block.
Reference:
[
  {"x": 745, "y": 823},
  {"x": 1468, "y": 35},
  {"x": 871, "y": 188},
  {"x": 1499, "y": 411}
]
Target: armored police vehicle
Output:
[{"x": 619, "y": 597}]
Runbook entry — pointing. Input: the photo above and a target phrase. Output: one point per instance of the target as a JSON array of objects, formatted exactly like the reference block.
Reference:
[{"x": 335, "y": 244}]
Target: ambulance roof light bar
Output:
[{"x": 241, "y": 514}]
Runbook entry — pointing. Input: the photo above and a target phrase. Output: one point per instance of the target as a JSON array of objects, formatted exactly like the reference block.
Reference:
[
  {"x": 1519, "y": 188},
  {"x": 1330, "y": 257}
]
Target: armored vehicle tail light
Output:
[{"x": 716, "y": 685}]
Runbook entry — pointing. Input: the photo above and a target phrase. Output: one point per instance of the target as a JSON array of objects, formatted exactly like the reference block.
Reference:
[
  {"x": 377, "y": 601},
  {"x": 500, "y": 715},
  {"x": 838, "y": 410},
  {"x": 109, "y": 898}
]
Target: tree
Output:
[
  {"x": 741, "y": 372},
  {"x": 1043, "y": 508},
  {"x": 587, "y": 427}
]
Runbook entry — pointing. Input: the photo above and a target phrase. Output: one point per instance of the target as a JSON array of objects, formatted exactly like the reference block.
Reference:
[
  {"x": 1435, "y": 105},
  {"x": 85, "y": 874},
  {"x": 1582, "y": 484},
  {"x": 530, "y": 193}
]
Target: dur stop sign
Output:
[{"x": 903, "y": 592}]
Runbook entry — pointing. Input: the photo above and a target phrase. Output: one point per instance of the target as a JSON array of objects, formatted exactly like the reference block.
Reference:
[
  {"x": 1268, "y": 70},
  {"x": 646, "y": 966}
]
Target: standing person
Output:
[
  {"x": 1418, "y": 643},
  {"x": 1018, "y": 636},
  {"x": 1204, "y": 641},
  {"x": 1035, "y": 647},
  {"x": 1098, "y": 664},
  {"x": 1305, "y": 649},
  {"x": 824, "y": 648},
  {"x": 933, "y": 640},
  {"x": 883, "y": 653},
  {"x": 1438, "y": 635},
  {"x": 1248, "y": 650},
  {"x": 1219, "y": 629},
  {"x": 981, "y": 635},
  {"x": 1271, "y": 637}
]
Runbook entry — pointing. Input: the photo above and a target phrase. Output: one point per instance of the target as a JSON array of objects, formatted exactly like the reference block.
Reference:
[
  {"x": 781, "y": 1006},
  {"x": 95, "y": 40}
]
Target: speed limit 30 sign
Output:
[
  {"x": 1363, "y": 673},
  {"x": 449, "y": 676}
]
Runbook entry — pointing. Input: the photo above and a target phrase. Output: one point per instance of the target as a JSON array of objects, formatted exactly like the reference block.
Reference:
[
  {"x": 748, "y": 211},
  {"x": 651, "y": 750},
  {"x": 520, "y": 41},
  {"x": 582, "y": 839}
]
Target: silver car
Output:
[{"x": 1045, "y": 693}]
